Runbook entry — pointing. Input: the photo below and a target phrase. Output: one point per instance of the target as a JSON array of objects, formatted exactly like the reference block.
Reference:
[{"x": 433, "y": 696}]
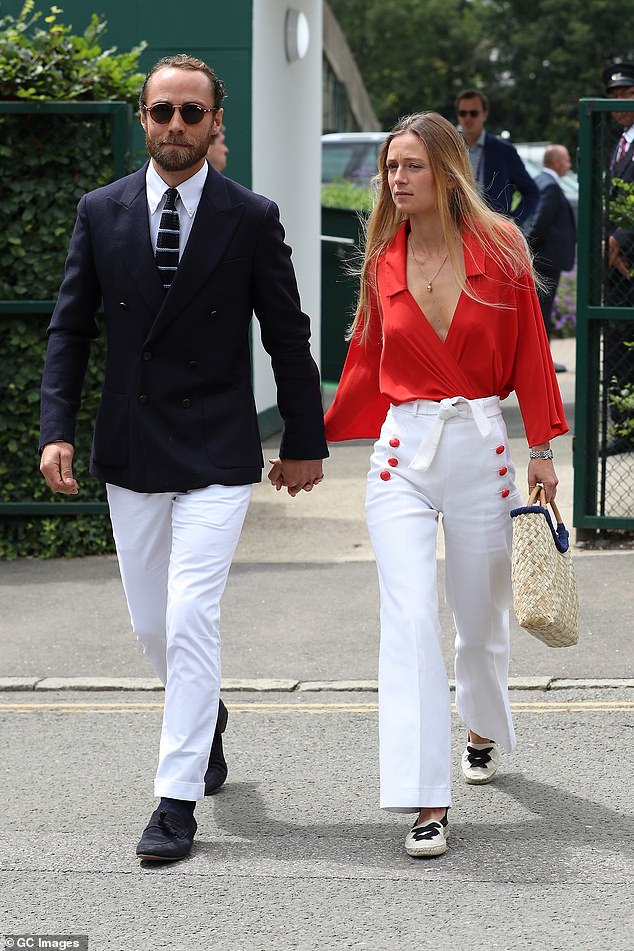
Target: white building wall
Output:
[{"x": 286, "y": 130}]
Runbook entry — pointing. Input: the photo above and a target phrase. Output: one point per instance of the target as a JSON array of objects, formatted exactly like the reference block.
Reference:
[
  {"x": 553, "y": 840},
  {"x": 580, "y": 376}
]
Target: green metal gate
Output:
[{"x": 604, "y": 399}]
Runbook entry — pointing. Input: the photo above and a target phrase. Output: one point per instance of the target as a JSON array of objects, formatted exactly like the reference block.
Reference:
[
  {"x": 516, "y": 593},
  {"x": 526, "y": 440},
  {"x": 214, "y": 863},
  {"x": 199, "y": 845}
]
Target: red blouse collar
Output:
[{"x": 393, "y": 262}]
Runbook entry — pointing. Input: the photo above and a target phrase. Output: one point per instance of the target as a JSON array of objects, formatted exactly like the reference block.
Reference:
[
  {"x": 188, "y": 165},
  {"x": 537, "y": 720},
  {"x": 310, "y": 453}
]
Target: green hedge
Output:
[
  {"x": 22, "y": 346},
  {"x": 46, "y": 163}
]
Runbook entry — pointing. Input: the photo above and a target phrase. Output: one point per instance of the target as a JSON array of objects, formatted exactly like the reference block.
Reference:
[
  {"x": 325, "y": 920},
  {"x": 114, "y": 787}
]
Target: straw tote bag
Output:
[{"x": 544, "y": 585}]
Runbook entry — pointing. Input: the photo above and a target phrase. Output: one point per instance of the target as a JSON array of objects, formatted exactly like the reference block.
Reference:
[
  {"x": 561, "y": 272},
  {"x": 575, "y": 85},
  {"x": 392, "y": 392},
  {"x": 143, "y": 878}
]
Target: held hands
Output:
[
  {"x": 56, "y": 466},
  {"x": 542, "y": 471},
  {"x": 295, "y": 474}
]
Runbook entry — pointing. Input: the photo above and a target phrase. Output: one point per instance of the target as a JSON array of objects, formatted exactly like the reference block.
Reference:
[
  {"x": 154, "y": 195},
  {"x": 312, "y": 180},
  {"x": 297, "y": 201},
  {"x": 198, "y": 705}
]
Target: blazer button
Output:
[
  {"x": 123, "y": 305},
  {"x": 186, "y": 403},
  {"x": 144, "y": 398},
  {"x": 212, "y": 313},
  {"x": 193, "y": 364},
  {"x": 147, "y": 355}
]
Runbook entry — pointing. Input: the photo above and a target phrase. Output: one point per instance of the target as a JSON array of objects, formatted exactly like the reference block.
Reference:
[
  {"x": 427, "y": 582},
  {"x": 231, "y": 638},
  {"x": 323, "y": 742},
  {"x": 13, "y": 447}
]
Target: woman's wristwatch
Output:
[{"x": 540, "y": 454}]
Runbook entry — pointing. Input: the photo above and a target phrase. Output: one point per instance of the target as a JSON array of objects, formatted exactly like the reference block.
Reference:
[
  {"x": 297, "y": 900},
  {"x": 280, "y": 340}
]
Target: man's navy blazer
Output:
[
  {"x": 553, "y": 231},
  {"x": 177, "y": 410},
  {"x": 505, "y": 173}
]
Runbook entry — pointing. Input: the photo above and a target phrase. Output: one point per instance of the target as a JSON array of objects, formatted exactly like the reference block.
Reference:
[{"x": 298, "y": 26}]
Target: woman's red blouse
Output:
[{"x": 488, "y": 350}]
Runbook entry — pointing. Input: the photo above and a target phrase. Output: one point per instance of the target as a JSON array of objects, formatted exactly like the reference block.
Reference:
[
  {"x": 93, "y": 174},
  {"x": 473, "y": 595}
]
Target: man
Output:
[
  {"x": 618, "y": 80},
  {"x": 218, "y": 151},
  {"x": 176, "y": 437},
  {"x": 497, "y": 168},
  {"x": 553, "y": 232}
]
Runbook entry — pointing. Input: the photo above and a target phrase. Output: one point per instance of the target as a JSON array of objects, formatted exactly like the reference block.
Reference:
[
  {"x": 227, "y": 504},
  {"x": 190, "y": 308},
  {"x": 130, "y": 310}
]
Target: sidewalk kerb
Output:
[
  {"x": 99, "y": 683},
  {"x": 349, "y": 686},
  {"x": 261, "y": 685},
  {"x": 18, "y": 683},
  {"x": 271, "y": 685},
  {"x": 597, "y": 684}
]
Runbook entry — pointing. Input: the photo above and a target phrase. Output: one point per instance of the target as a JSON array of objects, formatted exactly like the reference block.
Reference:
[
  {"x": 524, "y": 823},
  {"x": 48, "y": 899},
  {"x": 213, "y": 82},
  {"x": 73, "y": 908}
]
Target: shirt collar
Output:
[
  {"x": 479, "y": 142},
  {"x": 628, "y": 134},
  {"x": 189, "y": 191},
  {"x": 551, "y": 171},
  {"x": 396, "y": 258}
]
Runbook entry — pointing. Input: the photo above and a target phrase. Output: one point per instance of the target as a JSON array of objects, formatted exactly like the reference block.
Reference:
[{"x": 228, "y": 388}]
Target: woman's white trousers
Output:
[
  {"x": 453, "y": 458},
  {"x": 175, "y": 551}
]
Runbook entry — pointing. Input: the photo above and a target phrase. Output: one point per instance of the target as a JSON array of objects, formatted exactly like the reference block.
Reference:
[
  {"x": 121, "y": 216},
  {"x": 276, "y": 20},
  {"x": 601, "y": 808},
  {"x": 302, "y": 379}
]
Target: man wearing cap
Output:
[
  {"x": 618, "y": 80},
  {"x": 497, "y": 167}
]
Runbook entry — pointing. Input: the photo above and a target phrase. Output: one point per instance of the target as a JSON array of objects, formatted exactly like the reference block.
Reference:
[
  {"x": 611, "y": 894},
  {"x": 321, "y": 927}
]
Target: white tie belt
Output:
[{"x": 479, "y": 410}]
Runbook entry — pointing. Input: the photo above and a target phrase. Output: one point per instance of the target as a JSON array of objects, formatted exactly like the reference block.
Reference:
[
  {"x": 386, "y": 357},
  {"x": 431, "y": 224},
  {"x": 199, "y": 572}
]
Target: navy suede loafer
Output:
[
  {"x": 217, "y": 767},
  {"x": 166, "y": 838}
]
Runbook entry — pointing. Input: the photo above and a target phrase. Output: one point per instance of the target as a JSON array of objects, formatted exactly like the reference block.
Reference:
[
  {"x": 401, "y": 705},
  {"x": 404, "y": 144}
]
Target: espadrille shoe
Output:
[
  {"x": 428, "y": 839},
  {"x": 480, "y": 762}
]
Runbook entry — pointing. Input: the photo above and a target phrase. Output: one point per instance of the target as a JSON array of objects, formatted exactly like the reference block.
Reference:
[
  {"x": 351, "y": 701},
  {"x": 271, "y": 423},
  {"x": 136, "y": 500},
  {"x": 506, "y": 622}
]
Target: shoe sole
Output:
[
  {"x": 160, "y": 858},
  {"x": 479, "y": 780}
]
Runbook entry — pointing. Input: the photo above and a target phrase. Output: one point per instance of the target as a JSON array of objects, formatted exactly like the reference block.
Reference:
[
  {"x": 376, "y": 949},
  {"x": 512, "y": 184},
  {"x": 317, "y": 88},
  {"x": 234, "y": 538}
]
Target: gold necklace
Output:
[{"x": 431, "y": 279}]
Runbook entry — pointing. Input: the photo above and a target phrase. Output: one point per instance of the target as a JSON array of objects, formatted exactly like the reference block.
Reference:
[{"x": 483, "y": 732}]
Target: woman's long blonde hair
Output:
[{"x": 459, "y": 206}]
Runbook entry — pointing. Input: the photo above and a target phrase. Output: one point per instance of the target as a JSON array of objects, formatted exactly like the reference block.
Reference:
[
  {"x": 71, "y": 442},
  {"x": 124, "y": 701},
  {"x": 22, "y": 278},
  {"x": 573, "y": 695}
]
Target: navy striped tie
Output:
[{"x": 167, "y": 240}]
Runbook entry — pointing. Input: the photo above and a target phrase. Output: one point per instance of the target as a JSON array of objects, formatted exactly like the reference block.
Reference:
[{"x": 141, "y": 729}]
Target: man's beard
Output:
[{"x": 175, "y": 159}]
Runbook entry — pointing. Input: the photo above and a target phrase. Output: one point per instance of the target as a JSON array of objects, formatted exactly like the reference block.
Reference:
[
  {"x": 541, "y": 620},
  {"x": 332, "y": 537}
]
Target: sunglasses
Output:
[
  {"x": 191, "y": 112},
  {"x": 463, "y": 113}
]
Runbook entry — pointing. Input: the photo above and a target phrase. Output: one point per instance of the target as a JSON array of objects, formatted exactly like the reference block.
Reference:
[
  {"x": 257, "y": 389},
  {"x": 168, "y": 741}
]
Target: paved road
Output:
[{"x": 293, "y": 853}]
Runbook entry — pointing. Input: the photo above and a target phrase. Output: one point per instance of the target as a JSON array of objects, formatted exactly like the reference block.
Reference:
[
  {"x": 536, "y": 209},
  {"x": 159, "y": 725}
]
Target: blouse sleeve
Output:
[
  {"x": 359, "y": 408},
  {"x": 534, "y": 377}
]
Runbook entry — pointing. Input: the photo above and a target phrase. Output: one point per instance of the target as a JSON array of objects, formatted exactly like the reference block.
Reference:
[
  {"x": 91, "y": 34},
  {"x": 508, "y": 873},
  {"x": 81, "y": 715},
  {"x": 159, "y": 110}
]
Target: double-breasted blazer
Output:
[{"x": 177, "y": 410}]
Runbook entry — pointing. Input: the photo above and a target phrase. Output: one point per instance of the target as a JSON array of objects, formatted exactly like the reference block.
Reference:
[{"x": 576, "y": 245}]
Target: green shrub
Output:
[
  {"x": 50, "y": 63},
  {"x": 343, "y": 194},
  {"x": 46, "y": 163}
]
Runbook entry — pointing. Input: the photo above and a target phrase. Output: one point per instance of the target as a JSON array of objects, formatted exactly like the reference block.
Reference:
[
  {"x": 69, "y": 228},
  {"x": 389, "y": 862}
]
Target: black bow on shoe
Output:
[{"x": 479, "y": 758}]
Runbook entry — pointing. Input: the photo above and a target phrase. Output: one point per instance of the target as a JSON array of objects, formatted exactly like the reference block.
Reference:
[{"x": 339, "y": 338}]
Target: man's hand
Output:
[
  {"x": 296, "y": 474},
  {"x": 56, "y": 466},
  {"x": 615, "y": 257}
]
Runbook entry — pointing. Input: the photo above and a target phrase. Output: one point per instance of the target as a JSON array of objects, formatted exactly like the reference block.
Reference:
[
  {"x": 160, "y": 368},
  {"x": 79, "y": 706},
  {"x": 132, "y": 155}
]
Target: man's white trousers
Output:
[
  {"x": 175, "y": 551},
  {"x": 452, "y": 458}
]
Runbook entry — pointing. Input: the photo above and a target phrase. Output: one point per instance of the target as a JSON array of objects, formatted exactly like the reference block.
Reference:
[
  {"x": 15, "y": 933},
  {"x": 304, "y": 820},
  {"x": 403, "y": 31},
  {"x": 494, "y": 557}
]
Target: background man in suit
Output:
[
  {"x": 553, "y": 231},
  {"x": 176, "y": 438},
  {"x": 218, "y": 150},
  {"x": 618, "y": 80},
  {"x": 498, "y": 169}
]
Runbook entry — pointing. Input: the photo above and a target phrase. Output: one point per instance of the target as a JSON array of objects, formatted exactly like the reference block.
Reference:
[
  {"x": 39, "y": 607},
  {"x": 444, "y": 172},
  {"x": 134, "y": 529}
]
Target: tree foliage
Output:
[{"x": 533, "y": 60}]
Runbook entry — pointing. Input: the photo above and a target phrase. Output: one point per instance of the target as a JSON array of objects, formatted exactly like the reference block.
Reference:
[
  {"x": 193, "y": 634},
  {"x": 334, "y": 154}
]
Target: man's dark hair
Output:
[
  {"x": 183, "y": 61},
  {"x": 473, "y": 94}
]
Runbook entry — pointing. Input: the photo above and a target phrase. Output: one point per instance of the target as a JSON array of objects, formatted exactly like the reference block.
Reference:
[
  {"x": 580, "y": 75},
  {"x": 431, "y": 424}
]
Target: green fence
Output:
[{"x": 604, "y": 399}]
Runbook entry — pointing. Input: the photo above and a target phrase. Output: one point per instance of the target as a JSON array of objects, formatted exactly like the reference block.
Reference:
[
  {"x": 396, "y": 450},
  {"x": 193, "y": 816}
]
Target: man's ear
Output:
[{"x": 217, "y": 123}]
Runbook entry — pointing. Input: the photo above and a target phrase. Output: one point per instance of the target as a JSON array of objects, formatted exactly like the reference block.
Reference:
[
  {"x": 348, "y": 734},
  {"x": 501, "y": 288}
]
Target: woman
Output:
[{"x": 447, "y": 324}]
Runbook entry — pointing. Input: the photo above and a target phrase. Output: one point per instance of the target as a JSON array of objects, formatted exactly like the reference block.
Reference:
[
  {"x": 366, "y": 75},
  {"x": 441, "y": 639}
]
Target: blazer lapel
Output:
[
  {"x": 214, "y": 225},
  {"x": 131, "y": 232}
]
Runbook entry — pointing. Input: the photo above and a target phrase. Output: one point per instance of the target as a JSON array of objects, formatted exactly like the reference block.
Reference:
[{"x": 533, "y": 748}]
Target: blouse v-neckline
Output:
[
  {"x": 427, "y": 322},
  {"x": 395, "y": 273}
]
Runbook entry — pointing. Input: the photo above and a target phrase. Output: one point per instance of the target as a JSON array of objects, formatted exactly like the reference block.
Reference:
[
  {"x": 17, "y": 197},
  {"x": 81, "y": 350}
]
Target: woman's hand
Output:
[{"x": 542, "y": 471}]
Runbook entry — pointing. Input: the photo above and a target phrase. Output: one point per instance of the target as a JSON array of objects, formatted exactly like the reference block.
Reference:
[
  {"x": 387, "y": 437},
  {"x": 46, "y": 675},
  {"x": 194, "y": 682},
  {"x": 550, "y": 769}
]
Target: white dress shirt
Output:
[{"x": 189, "y": 193}]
